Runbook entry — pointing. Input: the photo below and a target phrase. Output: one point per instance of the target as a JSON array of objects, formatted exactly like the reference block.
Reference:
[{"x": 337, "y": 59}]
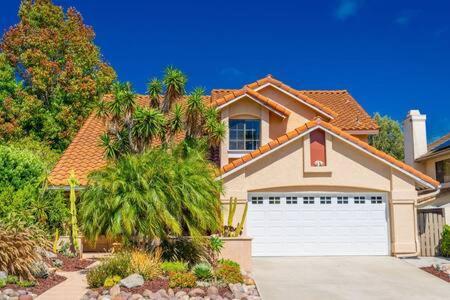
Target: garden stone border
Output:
[{"x": 238, "y": 291}]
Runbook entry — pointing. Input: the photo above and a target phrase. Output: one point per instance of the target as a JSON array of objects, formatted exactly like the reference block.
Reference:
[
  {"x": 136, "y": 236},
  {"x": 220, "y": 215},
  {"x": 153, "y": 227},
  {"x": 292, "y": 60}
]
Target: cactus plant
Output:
[
  {"x": 229, "y": 230},
  {"x": 56, "y": 241},
  {"x": 73, "y": 182}
]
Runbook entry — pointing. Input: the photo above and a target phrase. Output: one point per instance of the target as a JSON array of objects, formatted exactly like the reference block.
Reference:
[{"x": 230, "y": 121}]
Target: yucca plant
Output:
[{"x": 18, "y": 249}]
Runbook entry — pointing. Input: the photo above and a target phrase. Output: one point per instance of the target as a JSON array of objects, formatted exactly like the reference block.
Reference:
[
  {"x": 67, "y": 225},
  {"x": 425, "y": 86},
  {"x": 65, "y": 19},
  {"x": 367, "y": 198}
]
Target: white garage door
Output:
[{"x": 311, "y": 224}]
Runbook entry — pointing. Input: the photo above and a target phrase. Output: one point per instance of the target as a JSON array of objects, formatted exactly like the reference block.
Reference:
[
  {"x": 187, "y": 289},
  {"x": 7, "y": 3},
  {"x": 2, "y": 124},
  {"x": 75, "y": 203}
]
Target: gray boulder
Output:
[{"x": 132, "y": 281}]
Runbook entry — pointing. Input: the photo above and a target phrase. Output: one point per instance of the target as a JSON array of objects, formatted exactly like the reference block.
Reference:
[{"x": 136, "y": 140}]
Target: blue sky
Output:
[{"x": 391, "y": 55}]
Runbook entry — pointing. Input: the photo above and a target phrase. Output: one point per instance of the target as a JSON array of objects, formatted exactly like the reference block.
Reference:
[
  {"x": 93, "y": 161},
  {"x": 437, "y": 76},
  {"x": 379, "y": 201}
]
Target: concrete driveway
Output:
[{"x": 355, "y": 277}]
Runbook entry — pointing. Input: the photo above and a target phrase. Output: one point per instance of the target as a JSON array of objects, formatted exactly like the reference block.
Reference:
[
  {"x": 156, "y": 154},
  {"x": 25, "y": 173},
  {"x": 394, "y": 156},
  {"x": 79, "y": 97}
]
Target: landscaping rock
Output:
[
  {"x": 114, "y": 291},
  {"x": 180, "y": 294},
  {"x": 212, "y": 290},
  {"x": 25, "y": 297},
  {"x": 147, "y": 294},
  {"x": 136, "y": 297},
  {"x": 197, "y": 292},
  {"x": 163, "y": 293},
  {"x": 132, "y": 281}
]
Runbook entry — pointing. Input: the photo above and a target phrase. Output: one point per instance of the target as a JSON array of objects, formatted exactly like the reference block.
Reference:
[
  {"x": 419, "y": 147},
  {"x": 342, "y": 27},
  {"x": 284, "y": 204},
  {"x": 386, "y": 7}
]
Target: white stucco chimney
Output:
[{"x": 415, "y": 133}]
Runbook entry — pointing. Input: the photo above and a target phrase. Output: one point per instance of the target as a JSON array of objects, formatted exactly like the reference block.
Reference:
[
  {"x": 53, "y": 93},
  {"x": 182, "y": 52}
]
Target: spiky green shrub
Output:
[
  {"x": 18, "y": 249},
  {"x": 26, "y": 283},
  {"x": 146, "y": 264},
  {"x": 203, "y": 271},
  {"x": 184, "y": 249},
  {"x": 117, "y": 265},
  {"x": 39, "y": 269},
  {"x": 228, "y": 262},
  {"x": 174, "y": 267}
]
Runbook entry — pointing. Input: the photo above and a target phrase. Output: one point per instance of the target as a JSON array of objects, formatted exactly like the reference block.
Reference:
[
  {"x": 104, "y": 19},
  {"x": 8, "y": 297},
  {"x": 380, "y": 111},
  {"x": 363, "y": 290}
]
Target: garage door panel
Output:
[{"x": 356, "y": 227}]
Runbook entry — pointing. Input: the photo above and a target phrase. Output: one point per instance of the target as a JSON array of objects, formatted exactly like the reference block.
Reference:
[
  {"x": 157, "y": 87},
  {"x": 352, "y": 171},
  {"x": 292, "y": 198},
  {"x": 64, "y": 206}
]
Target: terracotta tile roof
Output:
[
  {"x": 350, "y": 115},
  {"x": 84, "y": 154},
  {"x": 347, "y": 113},
  {"x": 270, "y": 79},
  {"x": 231, "y": 95},
  {"x": 298, "y": 131}
]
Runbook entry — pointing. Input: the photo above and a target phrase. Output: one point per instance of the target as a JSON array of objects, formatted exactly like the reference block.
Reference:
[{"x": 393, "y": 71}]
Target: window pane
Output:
[
  {"x": 443, "y": 171},
  {"x": 244, "y": 134}
]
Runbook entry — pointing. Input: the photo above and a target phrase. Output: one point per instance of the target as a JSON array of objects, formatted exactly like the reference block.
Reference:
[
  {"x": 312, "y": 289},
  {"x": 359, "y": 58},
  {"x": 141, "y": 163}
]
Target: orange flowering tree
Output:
[{"x": 60, "y": 72}]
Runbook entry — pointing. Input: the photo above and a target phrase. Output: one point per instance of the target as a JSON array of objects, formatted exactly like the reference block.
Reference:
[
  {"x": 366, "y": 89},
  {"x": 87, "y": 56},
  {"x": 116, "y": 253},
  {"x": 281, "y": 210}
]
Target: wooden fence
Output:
[{"x": 431, "y": 223}]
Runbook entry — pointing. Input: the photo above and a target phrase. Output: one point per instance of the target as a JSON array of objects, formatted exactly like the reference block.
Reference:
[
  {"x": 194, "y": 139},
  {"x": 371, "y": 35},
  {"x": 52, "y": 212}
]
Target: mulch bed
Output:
[
  {"x": 432, "y": 270},
  {"x": 72, "y": 264},
  {"x": 41, "y": 284},
  {"x": 157, "y": 284}
]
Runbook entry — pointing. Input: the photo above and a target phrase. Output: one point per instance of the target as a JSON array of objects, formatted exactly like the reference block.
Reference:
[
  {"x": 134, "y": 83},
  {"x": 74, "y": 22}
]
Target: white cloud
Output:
[{"x": 347, "y": 8}]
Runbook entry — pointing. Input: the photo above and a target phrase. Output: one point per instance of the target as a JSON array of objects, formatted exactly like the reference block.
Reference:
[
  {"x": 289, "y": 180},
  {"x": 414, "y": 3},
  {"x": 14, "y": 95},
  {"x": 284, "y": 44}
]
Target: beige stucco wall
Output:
[
  {"x": 351, "y": 170},
  {"x": 300, "y": 113},
  {"x": 429, "y": 165}
]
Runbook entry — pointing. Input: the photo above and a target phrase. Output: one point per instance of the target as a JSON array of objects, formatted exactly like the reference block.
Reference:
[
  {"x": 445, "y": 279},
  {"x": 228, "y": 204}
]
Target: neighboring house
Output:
[
  {"x": 433, "y": 159},
  {"x": 301, "y": 160}
]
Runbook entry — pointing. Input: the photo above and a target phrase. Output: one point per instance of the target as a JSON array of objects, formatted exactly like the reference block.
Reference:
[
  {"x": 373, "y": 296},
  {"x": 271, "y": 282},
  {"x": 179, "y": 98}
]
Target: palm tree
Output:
[
  {"x": 176, "y": 122},
  {"x": 214, "y": 129},
  {"x": 194, "y": 114},
  {"x": 148, "y": 124},
  {"x": 154, "y": 90},
  {"x": 175, "y": 82},
  {"x": 159, "y": 193}
]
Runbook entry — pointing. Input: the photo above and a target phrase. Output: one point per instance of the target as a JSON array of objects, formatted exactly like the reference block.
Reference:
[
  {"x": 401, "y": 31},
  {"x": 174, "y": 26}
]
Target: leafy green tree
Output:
[
  {"x": 19, "y": 168},
  {"x": 61, "y": 70},
  {"x": 23, "y": 193},
  {"x": 162, "y": 192},
  {"x": 390, "y": 137},
  {"x": 9, "y": 90}
]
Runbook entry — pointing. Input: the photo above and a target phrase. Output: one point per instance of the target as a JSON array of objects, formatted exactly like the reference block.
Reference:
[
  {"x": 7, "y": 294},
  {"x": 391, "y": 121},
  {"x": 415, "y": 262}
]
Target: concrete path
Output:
[
  {"x": 73, "y": 288},
  {"x": 362, "y": 277}
]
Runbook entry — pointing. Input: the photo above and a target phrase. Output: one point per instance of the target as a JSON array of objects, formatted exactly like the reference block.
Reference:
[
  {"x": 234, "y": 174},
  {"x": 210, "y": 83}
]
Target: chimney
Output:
[{"x": 415, "y": 134}]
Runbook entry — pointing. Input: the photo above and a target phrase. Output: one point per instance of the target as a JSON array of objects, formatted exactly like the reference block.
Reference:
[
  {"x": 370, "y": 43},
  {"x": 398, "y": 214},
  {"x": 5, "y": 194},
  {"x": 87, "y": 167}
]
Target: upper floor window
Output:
[
  {"x": 443, "y": 171},
  {"x": 245, "y": 134}
]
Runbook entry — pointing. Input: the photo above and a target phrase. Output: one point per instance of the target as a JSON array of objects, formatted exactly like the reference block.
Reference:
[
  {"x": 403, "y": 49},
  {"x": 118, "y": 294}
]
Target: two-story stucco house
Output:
[
  {"x": 432, "y": 159},
  {"x": 300, "y": 158}
]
